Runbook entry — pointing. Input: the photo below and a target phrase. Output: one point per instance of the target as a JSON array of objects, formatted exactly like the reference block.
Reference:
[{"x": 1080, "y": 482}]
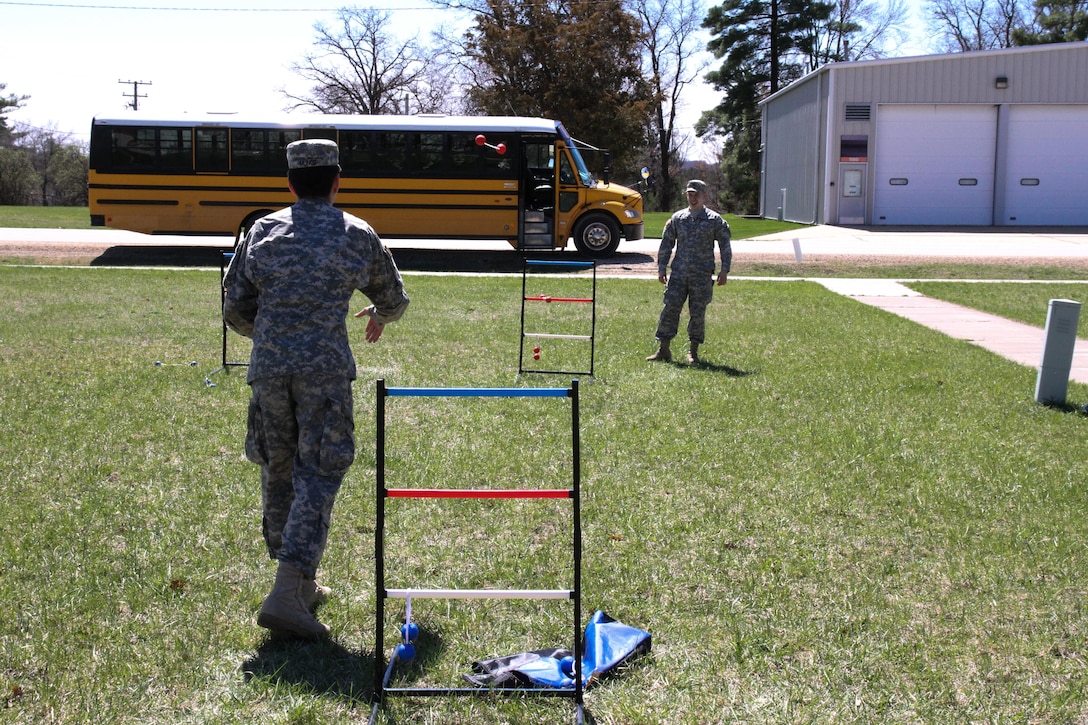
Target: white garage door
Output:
[
  {"x": 935, "y": 165},
  {"x": 1046, "y": 179}
]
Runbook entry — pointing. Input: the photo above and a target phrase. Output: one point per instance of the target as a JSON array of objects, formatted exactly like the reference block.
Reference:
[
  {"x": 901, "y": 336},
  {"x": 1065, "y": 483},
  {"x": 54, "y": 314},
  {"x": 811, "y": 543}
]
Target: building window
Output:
[{"x": 854, "y": 148}]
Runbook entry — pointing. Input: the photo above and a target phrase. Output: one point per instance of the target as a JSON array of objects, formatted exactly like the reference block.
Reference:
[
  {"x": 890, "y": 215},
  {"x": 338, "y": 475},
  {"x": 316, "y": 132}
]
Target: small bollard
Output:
[{"x": 1059, "y": 342}]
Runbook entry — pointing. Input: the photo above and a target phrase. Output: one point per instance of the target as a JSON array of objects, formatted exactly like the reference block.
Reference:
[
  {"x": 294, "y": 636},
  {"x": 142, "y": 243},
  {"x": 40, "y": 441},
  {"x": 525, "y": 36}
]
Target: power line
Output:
[{"x": 81, "y": 6}]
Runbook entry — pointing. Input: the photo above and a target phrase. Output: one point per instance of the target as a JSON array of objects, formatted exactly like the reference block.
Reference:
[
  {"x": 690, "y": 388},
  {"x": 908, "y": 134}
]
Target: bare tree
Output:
[
  {"x": 963, "y": 25},
  {"x": 358, "y": 67},
  {"x": 862, "y": 30},
  {"x": 671, "y": 46}
]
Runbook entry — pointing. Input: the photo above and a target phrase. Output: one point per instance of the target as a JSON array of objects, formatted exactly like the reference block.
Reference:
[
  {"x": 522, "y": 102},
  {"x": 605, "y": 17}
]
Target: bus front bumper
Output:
[{"x": 632, "y": 232}]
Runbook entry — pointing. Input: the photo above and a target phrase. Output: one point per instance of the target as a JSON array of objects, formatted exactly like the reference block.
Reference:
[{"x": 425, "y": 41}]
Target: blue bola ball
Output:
[
  {"x": 409, "y": 632},
  {"x": 406, "y": 651}
]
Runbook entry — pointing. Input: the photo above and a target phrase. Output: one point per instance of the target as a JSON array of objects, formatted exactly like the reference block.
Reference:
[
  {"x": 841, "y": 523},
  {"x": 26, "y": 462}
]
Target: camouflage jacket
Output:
[
  {"x": 693, "y": 235},
  {"x": 290, "y": 284}
]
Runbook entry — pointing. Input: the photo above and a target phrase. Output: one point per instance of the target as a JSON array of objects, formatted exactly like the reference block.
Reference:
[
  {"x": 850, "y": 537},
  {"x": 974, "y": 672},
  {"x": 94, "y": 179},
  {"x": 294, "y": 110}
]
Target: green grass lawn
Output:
[
  {"x": 45, "y": 217},
  {"x": 1026, "y": 302},
  {"x": 740, "y": 227},
  {"x": 842, "y": 516}
]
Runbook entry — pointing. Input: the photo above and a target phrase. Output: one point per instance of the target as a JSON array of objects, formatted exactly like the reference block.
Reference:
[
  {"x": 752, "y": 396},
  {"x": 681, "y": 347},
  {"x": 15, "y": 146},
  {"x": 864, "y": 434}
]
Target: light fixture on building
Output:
[{"x": 1001, "y": 82}]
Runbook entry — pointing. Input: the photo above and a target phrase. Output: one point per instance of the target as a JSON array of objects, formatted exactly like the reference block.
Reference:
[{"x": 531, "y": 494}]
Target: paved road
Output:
[{"x": 1050, "y": 243}]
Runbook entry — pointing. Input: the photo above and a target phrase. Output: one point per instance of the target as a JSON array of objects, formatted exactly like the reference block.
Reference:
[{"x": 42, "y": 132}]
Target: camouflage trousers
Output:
[
  {"x": 697, "y": 290},
  {"x": 301, "y": 432}
]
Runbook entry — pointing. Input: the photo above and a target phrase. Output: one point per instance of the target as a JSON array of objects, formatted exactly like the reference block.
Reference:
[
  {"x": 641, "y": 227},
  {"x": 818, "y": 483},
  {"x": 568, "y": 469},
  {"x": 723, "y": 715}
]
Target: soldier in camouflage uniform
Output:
[
  {"x": 693, "y": 232},
  {"x": 289, "y": 287}
]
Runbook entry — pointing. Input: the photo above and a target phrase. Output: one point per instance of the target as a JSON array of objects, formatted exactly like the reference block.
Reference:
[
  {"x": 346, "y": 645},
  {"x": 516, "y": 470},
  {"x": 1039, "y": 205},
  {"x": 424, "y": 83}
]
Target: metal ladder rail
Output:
[{"x": 227, "y": 256}]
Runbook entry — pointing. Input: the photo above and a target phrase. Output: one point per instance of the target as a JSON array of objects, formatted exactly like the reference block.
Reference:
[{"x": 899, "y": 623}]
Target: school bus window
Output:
[
  {"x": 498, "y": 166},
  {"x": 325, "y": 133},
  {"x": 176, "y": 149},
  {"x": 120, "y": 140},
  {"x": 431, "y": 148},
  {"x": 541, "y": 161},
  {"x": 261, "y": 151},
  {"x": 464, "y": 154},
  {"x": 211, "y": 149},
  {"x": 355, "y": 147},
  {"x": 137, "y": 148},
  {"x": 392, "y": 151},
  {"x": 246, "y": 150},
  {"x": 566, "y": 172}
]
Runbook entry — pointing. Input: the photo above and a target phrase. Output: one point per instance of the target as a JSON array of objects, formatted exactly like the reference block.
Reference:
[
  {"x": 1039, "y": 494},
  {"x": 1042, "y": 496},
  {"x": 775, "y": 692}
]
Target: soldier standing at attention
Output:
[
  {"x": 693, "y": 232},
  {"x": 289, "y": 287}
]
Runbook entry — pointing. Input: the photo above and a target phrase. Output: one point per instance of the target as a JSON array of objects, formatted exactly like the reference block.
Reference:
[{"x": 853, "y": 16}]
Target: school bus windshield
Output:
[{"x": 579, "y": 163}]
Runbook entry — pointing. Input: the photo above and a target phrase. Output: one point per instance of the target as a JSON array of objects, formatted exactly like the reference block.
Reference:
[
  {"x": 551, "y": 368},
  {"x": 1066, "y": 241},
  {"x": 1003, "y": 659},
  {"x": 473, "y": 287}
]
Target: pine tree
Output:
[
  {"x": 1058, "y": 21},
  {"x": 7, "y": 105},
  {"x": 764, "y": 45}
]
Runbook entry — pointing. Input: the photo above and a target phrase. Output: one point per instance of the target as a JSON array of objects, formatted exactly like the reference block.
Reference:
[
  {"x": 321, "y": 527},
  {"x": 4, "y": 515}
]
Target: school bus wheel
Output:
[{"x": 597, "y": 235}]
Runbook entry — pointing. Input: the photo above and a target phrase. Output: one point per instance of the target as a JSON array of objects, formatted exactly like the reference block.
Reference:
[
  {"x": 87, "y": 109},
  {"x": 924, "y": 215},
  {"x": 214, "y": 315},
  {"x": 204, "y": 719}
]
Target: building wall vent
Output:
[{"x": 857, "y": 112}]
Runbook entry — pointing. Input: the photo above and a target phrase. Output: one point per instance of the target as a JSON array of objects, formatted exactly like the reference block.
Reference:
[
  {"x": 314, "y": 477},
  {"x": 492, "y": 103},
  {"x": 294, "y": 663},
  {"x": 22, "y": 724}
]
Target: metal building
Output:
[{"x": 988, "y": 138}]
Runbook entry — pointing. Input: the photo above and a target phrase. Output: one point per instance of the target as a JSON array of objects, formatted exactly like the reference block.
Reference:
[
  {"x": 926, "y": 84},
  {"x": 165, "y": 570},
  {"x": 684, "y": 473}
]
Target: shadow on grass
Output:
[
  {"x": 1067, "y": 407},
  {"x": 326, "y": 668},
  {"x": 408, "y": 259},
  {"x": 712, "y": 367},
  {"x": 505, "y": 261},
  {"x": 156, "y": 256}
]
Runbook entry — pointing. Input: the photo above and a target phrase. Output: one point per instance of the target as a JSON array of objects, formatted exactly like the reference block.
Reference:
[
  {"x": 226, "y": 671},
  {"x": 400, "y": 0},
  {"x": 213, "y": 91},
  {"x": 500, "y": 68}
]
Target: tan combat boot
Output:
[
  {"x": 663, "y": 353},
  {"x": 313, "y": 594},
  {"x": 693, "y": 354},
  {"x": 285, "y": 610}
]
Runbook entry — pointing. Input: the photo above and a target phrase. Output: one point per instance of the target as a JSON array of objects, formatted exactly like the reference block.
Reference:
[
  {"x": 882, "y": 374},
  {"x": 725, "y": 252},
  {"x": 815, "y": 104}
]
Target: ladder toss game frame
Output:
[{"x": 383, "y": 671}]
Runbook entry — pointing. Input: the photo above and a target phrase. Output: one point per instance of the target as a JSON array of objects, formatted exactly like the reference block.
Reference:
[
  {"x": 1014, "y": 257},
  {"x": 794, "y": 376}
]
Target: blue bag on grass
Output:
[{"x": 607, "y": 644}]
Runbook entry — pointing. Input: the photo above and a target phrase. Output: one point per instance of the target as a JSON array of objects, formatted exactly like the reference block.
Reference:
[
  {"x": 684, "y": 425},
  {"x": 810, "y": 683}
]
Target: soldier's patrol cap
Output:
[
  {"x": 693, "y": 185},
  {"x": 311, "y": 153}
]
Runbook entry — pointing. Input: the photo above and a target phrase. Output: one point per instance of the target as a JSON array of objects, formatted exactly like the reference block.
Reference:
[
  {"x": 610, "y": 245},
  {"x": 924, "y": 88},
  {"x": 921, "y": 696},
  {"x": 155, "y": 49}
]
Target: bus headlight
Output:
[{"x": 630, "y": 213}]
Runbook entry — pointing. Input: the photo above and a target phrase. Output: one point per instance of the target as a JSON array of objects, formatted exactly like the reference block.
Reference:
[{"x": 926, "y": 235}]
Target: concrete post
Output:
[{"x": 1058, "y": 345}]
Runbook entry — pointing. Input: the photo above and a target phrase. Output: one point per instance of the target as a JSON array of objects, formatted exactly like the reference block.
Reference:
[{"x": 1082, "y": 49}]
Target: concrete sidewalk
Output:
[
  {"x": 932, "y": 242},
  {"x": 1013, "y": 340}
]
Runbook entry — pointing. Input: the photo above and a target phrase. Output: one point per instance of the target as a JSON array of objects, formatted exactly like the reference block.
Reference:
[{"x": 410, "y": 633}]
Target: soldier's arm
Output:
[{"x": 240, "y": 296}]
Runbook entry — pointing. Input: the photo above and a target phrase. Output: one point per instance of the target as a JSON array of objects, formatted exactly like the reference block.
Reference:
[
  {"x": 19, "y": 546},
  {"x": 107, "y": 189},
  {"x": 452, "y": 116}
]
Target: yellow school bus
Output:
[{"x": 511, "y": 178}]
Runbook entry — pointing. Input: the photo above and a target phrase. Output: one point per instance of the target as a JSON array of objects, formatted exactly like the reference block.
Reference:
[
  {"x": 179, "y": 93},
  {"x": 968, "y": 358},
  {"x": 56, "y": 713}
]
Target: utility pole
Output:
[{"x": 135, "y": 105}]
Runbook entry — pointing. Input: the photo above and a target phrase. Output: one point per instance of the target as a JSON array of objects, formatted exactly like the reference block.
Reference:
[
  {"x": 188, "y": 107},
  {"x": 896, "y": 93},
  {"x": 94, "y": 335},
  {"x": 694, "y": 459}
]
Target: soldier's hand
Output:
[
  {"x": 374, "y": 330},
  {"x": 662, "y": 278},
  {"x": 722, "y": 278}
]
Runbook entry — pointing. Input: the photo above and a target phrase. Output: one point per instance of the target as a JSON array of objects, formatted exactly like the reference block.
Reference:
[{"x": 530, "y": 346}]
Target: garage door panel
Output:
[
  {"x": 1046, "y": 181},
  {"x": 935, "y": 165}
]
